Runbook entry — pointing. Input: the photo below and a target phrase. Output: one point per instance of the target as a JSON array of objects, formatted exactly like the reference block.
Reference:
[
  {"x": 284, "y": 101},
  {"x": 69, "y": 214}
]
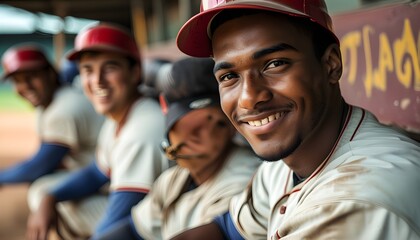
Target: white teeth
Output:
[
  {"x": 100, "y": 92},
  {"x": 266, "y": 120}
]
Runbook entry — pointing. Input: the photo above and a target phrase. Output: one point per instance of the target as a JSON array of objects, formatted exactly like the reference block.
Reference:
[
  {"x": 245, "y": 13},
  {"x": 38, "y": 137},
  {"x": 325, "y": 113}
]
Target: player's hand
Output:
[{"x": 39, "y": 222}]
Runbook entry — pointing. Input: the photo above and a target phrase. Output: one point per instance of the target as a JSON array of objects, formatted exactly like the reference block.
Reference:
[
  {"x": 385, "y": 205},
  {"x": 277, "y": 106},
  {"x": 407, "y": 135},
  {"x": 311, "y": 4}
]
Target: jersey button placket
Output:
[{"x": 283, "y": 209}]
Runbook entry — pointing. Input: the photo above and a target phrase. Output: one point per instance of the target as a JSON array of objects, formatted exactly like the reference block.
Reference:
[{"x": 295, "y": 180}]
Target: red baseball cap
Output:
[
  {"x": 105, "y": 37},
  {"x": 194, "y": 38},
  {"x": 24, "y": 57}
]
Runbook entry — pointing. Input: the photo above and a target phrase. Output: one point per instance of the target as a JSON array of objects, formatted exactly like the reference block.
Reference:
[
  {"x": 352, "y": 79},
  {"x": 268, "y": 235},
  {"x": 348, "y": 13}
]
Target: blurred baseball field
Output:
[{"x": 17, "y": 141}]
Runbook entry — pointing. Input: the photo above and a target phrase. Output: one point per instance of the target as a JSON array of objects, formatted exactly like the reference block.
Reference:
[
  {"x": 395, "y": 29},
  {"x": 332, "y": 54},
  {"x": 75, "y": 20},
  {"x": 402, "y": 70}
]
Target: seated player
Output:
[
  {"x": 128, "y": 156},
  {"x": 210, "y": 167}
]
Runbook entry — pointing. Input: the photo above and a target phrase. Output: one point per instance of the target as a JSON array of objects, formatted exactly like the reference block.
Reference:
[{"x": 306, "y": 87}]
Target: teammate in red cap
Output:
[
  {"x": 331, "y": 170},
  {"x": 128, "y": 155},
  {"x": 67, "y": 124}
]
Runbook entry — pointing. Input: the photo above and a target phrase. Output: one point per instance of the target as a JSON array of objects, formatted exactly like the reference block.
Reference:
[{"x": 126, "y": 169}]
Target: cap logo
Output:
[
  {"x": 200, "y": 103},
  {"x": 208, "y": 4}
]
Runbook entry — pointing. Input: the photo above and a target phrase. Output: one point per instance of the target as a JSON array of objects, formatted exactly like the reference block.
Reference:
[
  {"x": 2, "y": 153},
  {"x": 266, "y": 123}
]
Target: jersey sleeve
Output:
[
  {"x": 226, "y": 226},
  {"x": 138, "y": 167},
  {"x": 45, "y": 161},
  {"x": 147, "y": 216},
  {"x": 119, "y": 206},
  {"x": 233, "y": 178},
  {"x": 250, "y": 210},
  {"x": 58, "y": 125},
  {"x": 70, "y": 120},
  {"x": 133, "y": 159},
  {"x": 81, "y": 183},
  {"x": 60, "y": 130}
]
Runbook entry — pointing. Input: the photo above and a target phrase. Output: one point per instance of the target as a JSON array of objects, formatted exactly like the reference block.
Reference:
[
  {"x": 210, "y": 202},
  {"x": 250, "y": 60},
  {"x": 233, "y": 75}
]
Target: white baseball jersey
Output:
[
  {"x": 166, "y": 211},
  {"x": 367, "y": 188},
  {"x": 71, "y": 120},
  {"x": 133, "y": 159}
]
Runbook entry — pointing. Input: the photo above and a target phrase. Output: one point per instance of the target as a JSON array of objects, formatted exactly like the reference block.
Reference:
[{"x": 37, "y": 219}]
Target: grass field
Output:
[
  {"x": 17, "y": 141},
  {"x": 10, "y": 101}
]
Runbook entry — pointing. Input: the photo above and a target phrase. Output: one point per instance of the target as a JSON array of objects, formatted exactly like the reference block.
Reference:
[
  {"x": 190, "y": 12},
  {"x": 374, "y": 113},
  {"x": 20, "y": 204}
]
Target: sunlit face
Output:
[
  {"x": 109, "y": 81},
  {"x": 35, "y": 86},
  {"x": 273, "y": 88},
  {"x": 206, "y": 132}
]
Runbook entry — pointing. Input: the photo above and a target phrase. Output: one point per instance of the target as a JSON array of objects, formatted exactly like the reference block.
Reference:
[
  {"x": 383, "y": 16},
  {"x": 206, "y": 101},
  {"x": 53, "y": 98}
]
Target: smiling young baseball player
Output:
[
  {"x": 66, "y": 122},
  {"x": 332, "y": 171},
  {"x": 210, "y": 167},
  {"x": 129, "y": 157}
]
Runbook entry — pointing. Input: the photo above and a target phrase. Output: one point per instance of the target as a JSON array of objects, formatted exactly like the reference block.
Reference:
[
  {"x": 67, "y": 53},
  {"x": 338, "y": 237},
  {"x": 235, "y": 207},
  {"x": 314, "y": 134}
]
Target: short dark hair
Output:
[{"x": 321, "y": 38}]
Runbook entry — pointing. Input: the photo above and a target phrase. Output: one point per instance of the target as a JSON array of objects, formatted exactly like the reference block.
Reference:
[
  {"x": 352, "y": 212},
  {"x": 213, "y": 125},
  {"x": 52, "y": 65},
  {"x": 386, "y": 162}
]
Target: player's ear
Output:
[
  {"x": 52, "y": 76},
  {"x": 136, "y": 72},
  {"x": 332, "y": 63}
]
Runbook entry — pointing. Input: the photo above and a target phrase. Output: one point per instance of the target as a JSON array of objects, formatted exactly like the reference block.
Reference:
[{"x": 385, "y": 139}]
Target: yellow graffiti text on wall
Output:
[{"x": 400, "y": 58}]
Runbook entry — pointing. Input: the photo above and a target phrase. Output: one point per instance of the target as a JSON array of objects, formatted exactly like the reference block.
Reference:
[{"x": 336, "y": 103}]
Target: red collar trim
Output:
[{"x": 324, "y": 163}]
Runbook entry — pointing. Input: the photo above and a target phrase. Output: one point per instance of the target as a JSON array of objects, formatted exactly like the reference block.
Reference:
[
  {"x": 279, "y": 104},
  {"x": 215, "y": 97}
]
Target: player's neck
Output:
[
  {"x": 310, "y": 155},
  {"x": 122, "y": 118}
]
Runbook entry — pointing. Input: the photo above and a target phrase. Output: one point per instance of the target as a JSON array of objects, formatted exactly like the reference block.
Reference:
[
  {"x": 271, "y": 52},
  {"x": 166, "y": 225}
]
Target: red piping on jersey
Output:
[
  {"x": 285, "y": 194},
  {"x": 335, "y": 145},
  {"x": 133, "y": 189},
  {"x": 278, "y": 235},
  {"x": 163, "y": 104},
  {"x": 349, "y": 113},
  {"x": 358, "y": 125}
]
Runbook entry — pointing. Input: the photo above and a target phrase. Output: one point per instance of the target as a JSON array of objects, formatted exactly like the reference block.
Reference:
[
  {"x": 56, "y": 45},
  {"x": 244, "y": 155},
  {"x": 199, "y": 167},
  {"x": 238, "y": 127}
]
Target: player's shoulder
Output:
[
  {"x": 383, "y": 178},
  {"x": 239, "y": 167},
  {"x": 147, "y": 112},
  {"x": 70, "y": 100},
  {"x": 70, "y": 92},
  {"x": 367, "y": 132},
  {"x": 146, "y": 118},
  {"x": 174, "y": 174},
  {"x": 171, "y": 180},
  {"x": 147, "y": 106},
  {"x": 68, "y": 103}
]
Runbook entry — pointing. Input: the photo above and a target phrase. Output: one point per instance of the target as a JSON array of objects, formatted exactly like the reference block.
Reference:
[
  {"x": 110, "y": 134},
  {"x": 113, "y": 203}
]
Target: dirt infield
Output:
[{"x": 17, "y": 141}]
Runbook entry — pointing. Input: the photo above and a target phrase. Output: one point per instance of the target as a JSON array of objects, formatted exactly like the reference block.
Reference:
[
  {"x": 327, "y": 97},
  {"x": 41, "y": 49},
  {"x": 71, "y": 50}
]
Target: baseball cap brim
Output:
[
  {"x": 29, "y": 66},
  {"x": 180, "y": 108},
  {"x": 194, "y": 38},
  {"x": 22, "y": 58}
]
